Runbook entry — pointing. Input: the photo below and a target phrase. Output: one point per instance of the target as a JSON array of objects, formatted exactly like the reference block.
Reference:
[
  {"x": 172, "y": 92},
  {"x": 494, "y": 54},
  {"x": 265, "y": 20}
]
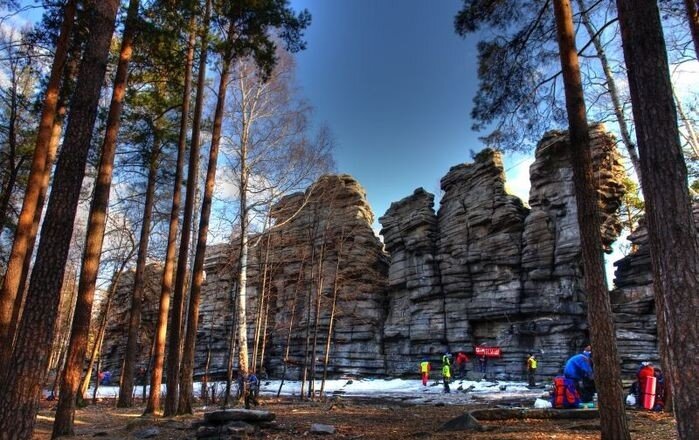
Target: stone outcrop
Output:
[
  {"x": 487, "y": 269},
  {"x": 320, "y": 259},
  {"x": 482, "y": 269}
]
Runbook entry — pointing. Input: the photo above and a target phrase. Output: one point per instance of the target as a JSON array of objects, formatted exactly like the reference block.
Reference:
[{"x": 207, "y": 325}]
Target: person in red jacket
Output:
[{"x": 461, "y": 361}]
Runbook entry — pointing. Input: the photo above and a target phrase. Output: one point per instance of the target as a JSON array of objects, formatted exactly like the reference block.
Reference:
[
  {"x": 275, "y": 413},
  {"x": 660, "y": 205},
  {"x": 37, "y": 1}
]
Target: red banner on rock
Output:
[{"x": 491, "y": 352}]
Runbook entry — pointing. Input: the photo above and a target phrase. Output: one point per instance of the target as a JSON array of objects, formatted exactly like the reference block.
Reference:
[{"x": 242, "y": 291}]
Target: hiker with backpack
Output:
[{"x": 579, "y": 369}]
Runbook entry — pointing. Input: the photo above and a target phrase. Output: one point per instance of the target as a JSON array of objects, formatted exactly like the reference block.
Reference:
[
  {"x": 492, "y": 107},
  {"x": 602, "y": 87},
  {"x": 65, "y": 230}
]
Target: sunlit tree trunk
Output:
[
  {"x": 21, "y": 389},
  {"x": 599, "y": 311},
  {"x": 156, "y": 380},
  {"x": 187, "y": 370},
  {"x": 178, "y": 297},
  {"x": 65, "y": 413},
  {"x": 674, "y": 245},
  {"x": 39, "y": 172}
]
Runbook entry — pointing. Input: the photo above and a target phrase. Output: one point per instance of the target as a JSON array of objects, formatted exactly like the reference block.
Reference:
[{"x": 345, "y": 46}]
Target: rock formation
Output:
[
  {"x": 321, "y": 242},
  {"x": 484, "y": 268}
]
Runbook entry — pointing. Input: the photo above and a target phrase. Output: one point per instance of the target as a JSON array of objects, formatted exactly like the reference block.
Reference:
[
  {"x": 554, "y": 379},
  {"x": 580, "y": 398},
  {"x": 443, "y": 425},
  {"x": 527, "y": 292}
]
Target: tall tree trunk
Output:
[
  {"x": 166, "y": 285},
  {"x": 97, "y": 220},
  {"x": 612, "y": 89},
  {"x": 175, "y": 336},
  {"x": 21, "y": 388},
  {"x": 241, "y": 318},
  {"x": 39, "y": 171},
  {"x": 187, "y": 370},
  {"x": 130, "y": 352},
  {"x": 693, "y": 18},
  {"x": 21, "y": 288},
  {"x": 599, "y": 311},
  {"x": 674, "y": 245}
]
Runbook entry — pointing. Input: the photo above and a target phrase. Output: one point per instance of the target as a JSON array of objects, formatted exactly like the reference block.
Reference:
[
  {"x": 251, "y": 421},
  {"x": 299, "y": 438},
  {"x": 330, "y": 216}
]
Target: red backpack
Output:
[{"x": 565, "y": 395}]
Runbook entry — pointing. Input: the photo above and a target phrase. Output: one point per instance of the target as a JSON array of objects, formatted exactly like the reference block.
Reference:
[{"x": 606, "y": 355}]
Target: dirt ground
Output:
[{"x": 352, "y": 419}]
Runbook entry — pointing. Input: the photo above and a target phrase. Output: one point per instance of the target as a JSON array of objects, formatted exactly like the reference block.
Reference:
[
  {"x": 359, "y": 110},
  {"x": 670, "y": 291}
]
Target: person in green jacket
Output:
[{"x": 446, "y": 376}]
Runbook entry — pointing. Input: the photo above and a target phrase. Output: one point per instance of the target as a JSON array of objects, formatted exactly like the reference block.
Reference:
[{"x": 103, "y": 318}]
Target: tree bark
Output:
[
  {"x": 38, "y": 174},
  {"x": 97, "y": 220},
  {"x": 599, "y": 311},
  {"x": 674, "y": 245},
  {"x": 21, "y": 390},
  {"x": 187, "y": 370},
  {"x": 130, "y": 352},
  {"x": 166, "y": 285},
  {"x": 178, "y": 297}
]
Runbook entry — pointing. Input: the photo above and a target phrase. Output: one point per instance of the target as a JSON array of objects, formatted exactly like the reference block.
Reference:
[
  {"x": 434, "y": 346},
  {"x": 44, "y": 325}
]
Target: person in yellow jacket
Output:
[
  {"x": 446, "y": 376},
  {"x": 531, "y": 369},
  {"x": 425, "y": 371}
]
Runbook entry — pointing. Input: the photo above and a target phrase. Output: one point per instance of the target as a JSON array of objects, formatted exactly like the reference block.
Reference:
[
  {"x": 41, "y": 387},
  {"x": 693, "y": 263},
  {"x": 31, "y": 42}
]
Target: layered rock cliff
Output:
[{"x": 486, "y": 269}]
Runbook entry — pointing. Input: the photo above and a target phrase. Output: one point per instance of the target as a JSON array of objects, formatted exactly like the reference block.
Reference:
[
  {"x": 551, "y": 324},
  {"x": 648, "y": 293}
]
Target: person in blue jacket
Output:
[{"x": 579, "y": 369}]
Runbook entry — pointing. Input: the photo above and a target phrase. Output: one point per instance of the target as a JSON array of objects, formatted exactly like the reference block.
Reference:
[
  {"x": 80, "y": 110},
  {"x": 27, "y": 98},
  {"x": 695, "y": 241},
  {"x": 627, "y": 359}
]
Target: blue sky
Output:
[{"x": 395, "y": 85}]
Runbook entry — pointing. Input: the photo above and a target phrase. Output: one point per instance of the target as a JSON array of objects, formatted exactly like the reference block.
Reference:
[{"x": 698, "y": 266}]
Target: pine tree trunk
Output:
[
  {"x": 178, "y": 297},
  {"x": 97, "y": 220},
  {"x": 38, "y": 174},
  {"x": 599, "y": 311},
  {"x": 21, "y": 389},
  {"x": 187, "y": 370},
  {"x": 674, "y": 245},
  {"x": 21, "y": 288},
  {"x": 130, "y": 352},
  {"x": 166, "y": 285}
]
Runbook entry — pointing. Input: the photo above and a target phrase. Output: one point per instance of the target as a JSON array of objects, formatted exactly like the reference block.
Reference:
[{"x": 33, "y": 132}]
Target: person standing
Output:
[
  {"x": 425, "y": 371},
  {"x": 446, "y": 376},
  {"x": 531, "y": 369},
  {"x": 461, "y": 360},
  {"x": 579, "y": 369}
]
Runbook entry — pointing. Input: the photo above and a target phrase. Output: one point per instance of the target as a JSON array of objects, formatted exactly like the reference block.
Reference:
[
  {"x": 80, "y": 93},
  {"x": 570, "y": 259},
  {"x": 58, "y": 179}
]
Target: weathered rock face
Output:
[
  {"x": 485, "y": 269},
  {"x": 322, "y": 263},
  {"x": 633, "y": 301}
]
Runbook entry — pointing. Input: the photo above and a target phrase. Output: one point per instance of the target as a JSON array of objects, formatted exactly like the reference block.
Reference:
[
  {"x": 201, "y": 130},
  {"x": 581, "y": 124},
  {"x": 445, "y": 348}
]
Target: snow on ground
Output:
[{"x": 412, "y": 391}]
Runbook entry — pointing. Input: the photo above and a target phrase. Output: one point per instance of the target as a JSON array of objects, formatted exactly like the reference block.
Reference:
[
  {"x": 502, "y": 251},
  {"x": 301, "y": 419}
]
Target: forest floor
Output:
[{"x": 353, "y": 418}]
